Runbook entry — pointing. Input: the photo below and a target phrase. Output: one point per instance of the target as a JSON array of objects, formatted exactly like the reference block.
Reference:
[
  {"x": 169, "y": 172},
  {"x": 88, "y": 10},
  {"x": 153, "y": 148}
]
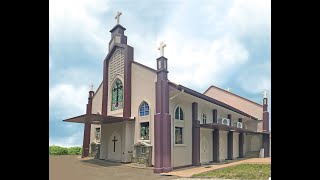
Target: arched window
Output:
[
  {"x": 144, "y": 109},
  {"x": 117, "y": 95},
  {"x": 178, "y": 113}
]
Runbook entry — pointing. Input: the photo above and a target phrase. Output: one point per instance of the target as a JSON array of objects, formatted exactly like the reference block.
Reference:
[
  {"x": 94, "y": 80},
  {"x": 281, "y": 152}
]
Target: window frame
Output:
[
  {"x": 175, "y": 137},
  {"x": 204, "y": 118},
  {"x": 143, "y": 105},
  {"x": 140, "y": 134},
  {"x": 180, "y": 112}
]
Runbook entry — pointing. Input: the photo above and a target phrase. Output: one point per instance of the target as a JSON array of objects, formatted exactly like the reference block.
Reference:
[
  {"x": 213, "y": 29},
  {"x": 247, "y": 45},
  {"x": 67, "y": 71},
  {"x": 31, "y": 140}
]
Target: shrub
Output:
[
  {"x": 74, "y": 150},
  {"x": 57, "y": 150}
]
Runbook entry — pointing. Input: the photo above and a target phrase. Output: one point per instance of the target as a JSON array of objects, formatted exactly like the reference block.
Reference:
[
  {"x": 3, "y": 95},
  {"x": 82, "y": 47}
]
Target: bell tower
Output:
[{"x": 117, "y": 66}]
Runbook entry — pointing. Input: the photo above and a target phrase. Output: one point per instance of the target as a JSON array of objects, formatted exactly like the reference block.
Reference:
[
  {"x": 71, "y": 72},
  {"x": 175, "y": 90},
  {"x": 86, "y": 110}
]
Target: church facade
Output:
[{"x": 136, "y": 110}]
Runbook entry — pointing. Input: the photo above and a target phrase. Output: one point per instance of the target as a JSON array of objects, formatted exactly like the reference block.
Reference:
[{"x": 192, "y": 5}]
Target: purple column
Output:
[
  {"x": 265, "y": 121},
  {"x": 195, "y": 135},
  {"x": 229, "y": 117},
  {"x": 214, "y": 116},
  {"x": 87, "y": 128},
  {"x": 241, "y": 143},
  {"x": 215, "y": 143},
  {"x": 230, "y": 145},
  {"x": 162, "y": 121}
]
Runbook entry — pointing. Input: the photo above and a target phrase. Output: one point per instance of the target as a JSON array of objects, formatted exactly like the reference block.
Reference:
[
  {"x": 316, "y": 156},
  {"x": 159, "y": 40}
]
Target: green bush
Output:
[
  {"x": 57, "y": 150},
  {"x": 74, "y": 150}
]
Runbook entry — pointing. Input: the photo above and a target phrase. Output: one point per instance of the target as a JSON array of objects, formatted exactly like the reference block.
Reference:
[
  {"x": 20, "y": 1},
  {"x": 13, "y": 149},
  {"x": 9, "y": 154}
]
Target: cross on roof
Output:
[
  {"x": 161, "y": 48},
  {"x": 265, "y": 93},
  {"x": 118, "y": 17},
  {"x": 91, "y": 87}
]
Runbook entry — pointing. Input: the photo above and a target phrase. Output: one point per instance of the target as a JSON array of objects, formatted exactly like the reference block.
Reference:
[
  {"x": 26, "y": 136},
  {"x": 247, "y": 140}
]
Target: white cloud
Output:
[
  {"x": 71, "y": 141},
  {"x": 256, "y": 78},
  {"x": 78, "y": 20},
  {"x": 66, "y": 100},
  {"x": 201, "y": 63},
  {"x": 249, "y": 17}
]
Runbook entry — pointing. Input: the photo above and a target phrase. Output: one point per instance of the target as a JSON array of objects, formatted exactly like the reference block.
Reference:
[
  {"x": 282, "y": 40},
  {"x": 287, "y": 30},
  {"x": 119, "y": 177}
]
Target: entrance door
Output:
[{"x": 114, "y": 147}]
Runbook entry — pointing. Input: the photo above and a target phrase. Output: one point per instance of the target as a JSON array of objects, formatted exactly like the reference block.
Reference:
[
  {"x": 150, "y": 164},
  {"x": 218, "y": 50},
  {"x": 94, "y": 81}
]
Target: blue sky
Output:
[{"x": 209, "y": 42}]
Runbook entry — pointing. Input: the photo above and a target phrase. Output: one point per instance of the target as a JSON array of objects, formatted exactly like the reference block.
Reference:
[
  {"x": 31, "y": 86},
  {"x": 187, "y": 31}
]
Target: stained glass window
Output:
[
  {"x": 98, "y": 134},
  {"x": 178, "y": 135},
  {"x": 144, "y": 109},
  {"x": 178, "y": 113},
  {"x": 144, "y": 131},
  {"x": 117, "y": 95}
]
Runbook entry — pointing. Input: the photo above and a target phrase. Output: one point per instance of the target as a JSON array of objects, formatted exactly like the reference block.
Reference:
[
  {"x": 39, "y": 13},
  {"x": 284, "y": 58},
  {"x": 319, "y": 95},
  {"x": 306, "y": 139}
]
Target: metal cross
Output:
[
  {"x": 118, "y": 17},
  {"x": 161, "y": 48}
]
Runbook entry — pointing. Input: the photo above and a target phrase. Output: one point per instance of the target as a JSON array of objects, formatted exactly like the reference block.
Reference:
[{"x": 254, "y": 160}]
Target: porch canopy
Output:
[
  {"x": 228, "y": 128},
  {"x": 97, "y": 119}
]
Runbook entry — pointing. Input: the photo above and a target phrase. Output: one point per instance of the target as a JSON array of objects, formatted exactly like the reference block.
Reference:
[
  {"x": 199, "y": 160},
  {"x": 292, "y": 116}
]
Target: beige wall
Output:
[
  {"x": 123, "y": 129},
  {"x": 223, "y": 145},
  {"x": 253, "y": 142},
  {"x": 206, "y": 154},
  {"x": 143, "y": 89},
  {"x": 181, "y": 153},
  {"x": 235, "y": 145}
]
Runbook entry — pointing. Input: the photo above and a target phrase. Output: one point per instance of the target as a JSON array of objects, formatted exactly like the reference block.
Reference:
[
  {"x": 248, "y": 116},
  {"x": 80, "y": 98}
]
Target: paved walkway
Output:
[{"x": 188, "y": 172}]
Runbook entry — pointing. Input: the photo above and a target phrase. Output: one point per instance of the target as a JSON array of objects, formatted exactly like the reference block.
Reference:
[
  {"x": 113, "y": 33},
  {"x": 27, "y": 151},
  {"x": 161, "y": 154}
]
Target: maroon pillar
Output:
[
  {"x": 215, "y": 143},
  {"x": 265, "y": 121},
  {"x": 265, "y": 117},
  {"x": 229, "y": 117},
  {"x": 162, "y": 121},
  {"x": 105, "y": 89},
  {"x": 230, "y": 145},
  {"x": 87, "y": 128},
  {"x": 241, "y": 143},
  {"x": 195, "y": 135},
  {"x": 214, "y": 116}
]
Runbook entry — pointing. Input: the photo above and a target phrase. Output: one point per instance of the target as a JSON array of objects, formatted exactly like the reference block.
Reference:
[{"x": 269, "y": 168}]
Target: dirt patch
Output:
[{"x": 72, "y": 167}]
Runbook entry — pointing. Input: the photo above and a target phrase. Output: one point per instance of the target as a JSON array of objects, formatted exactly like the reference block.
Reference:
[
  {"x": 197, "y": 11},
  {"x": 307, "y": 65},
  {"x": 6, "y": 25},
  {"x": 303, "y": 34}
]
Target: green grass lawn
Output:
[{"x": 242, "y": 171}]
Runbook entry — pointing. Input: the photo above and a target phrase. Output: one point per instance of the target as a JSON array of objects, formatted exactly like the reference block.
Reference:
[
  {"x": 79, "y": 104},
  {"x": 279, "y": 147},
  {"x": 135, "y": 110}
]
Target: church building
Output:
[{"x": 138, "y": 115}]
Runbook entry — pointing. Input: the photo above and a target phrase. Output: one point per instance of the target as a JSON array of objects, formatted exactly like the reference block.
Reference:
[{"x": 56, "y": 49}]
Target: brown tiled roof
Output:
[{"x": 243, "y": 104}]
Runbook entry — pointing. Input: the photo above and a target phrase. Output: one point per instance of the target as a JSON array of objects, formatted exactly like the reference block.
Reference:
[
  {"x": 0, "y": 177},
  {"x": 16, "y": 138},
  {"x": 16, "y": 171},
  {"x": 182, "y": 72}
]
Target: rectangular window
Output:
[
  {"x": 178, "y": 135},
  {"x": 98, "y": 134},
  {"x": 144, "y": 131}
]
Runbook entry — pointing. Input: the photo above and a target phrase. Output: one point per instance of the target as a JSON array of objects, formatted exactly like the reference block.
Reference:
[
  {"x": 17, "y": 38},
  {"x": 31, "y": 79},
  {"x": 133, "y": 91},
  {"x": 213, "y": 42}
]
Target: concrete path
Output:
[{"x": 188, "y": 172}]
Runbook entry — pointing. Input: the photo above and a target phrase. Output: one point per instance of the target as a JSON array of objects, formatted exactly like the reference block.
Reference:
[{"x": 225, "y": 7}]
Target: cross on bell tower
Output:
[
  {"x": 118, "y": 17},
  {"x": 162, "y": 61}
]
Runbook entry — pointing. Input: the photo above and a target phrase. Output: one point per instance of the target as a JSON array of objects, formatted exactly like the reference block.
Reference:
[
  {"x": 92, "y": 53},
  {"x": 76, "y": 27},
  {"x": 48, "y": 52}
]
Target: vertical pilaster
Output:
[
  {"x": 87, "y": 128},
  {"x": 215, "y": 143},
  {"x": 241, "y": 144},
  {"x": 195, "y": 135},
  {"x": 230, "y": 145},
  {"x": 162, "y": 121},
  {"x": 214, "y": 116}
]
